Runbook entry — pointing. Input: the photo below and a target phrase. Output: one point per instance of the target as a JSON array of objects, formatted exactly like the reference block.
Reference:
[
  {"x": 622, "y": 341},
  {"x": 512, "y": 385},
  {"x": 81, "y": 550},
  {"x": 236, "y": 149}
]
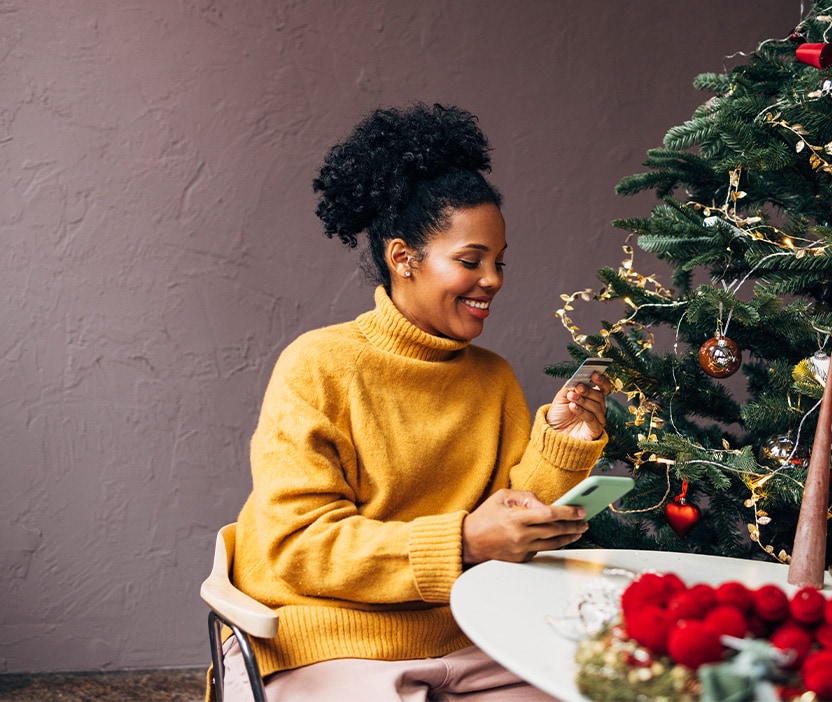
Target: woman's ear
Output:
[{"x": 399, "y": 257}]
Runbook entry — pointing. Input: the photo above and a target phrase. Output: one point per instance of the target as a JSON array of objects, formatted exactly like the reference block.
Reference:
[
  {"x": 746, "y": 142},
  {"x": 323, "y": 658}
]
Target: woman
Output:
[{"x": 391, "y": 453}]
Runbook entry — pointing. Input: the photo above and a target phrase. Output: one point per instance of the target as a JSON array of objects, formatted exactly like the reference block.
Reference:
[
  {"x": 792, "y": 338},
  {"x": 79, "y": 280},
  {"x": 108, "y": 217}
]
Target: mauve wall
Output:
[{"x": 160, "y": 248}]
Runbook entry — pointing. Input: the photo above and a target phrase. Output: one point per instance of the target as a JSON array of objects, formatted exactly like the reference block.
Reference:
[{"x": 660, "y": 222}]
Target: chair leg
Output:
[{"x": 215, "y": 623}]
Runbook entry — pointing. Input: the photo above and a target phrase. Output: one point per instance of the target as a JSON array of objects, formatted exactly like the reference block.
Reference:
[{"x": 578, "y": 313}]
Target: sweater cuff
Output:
[
  {"x": 562, "y": 451},
  {"x": 436, "y": 554}
]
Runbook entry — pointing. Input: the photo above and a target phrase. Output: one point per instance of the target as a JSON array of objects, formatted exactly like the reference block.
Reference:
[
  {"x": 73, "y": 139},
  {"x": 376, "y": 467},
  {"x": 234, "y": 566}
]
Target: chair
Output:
[{"x": 242, "y": 614}]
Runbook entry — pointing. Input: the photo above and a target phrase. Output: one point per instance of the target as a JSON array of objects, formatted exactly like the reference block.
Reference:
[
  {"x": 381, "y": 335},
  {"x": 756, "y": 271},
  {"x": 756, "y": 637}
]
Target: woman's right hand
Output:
[{"x": 513, "y": 525}]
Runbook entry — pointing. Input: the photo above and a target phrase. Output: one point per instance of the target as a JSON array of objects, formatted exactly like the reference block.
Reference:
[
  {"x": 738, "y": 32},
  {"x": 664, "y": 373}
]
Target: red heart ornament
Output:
[{"x": 682, "y": 516}]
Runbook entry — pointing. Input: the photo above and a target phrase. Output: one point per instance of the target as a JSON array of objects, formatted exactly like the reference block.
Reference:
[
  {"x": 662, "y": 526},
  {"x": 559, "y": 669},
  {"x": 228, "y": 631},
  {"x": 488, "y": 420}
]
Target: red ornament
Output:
[
  {"x": 692, "y": 644},
  {"x": 735, "y": 593},
  {"x": 817, "y": 673},
  {"x": 770, "y": 603},
  {"x": 720, "y": 357},
  {"x": 791, "y": 637},
  {"x": 650, "y": 588},
  {"x": 681, "y": 515},
  {"x": 649, "y": 626},
  {"x": 817, "y": 55},
  {"x": 807, "y": 606},
  {"x": 706, "y": 594},
  {"x": 685, "y": 605},
  {"x": 727, "y": 620}
]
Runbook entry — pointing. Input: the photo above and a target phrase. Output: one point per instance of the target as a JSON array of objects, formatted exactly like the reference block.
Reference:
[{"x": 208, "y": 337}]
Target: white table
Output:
[{"x": 502, "y": 607}]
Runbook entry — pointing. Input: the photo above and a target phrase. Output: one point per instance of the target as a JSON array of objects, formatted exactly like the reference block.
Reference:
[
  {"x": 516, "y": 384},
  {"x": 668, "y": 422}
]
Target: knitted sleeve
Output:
[
  {"x": 553, "y": 462},
  {"x": 546, "y": 462}
]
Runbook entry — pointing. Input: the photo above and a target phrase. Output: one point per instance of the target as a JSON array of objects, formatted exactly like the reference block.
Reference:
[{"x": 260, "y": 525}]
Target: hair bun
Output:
[{"x": 368, "y": 178}]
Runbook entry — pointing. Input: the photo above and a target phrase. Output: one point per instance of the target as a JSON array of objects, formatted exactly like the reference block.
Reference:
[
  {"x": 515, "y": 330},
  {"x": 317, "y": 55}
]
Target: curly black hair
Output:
[{"x": 400, "y": 173}]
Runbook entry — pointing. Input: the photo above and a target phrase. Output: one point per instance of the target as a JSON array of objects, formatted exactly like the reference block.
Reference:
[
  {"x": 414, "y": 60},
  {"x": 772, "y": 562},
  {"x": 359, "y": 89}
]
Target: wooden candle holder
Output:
[{"x": 808, "y": 562}]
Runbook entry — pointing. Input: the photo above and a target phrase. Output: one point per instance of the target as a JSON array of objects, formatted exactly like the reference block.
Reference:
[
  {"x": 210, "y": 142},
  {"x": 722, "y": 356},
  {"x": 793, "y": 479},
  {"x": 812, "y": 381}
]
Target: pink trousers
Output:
[{"x": 467, "y": 675}]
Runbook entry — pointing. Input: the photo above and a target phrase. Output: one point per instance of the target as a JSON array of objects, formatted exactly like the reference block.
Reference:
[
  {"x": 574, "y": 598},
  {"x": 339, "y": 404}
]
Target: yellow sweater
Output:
[{"x": 375, "y": 439}]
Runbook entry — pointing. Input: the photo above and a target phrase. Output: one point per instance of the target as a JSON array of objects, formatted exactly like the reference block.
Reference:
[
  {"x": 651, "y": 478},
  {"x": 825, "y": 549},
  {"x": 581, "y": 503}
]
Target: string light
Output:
[{"x": 754, "y": 227}]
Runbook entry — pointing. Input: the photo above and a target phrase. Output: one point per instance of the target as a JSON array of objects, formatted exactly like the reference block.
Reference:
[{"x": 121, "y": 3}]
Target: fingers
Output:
[
  {"x": 589, "y": 404},
  {"x": 585, "y": 396},
  {"x": 556, "y": 542},
  {"x": 598, "y": 394},
  {"x": 519, "y": 498},
  {"x": 603, "y": 383},
  {"x": 553, "y": 514},
  {"x": 531, "y": 511},
  {"x": 552, "y": 543},
  {"x": 553, "y": 527},
  {"x": 511, "y": 525},
  {"x": 590, "y": 414}
]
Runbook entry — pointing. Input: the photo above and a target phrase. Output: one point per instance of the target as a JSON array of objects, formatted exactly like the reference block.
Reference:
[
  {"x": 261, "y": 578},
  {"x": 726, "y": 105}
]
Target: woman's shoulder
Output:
[
  {"x": 331, "y": 346},
  {"x": 494, "y": 370},
  {"x": 315, "y": 365},
  {"x": 487, "y": 358}
]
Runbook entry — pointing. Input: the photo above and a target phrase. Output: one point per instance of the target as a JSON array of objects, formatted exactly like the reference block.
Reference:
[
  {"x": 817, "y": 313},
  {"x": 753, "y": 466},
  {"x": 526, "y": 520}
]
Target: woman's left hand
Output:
[{"x": 581, "y": 412}]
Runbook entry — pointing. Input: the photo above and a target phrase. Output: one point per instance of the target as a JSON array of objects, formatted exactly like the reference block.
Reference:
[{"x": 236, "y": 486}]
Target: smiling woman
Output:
[
  {"x": 447, "y": 288},
  {"x": 391, "y": 452}
]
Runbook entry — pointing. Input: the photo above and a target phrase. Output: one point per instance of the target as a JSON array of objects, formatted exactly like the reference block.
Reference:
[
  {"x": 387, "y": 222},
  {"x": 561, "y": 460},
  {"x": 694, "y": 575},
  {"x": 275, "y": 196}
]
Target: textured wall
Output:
[{"x": 160, "y": 248}]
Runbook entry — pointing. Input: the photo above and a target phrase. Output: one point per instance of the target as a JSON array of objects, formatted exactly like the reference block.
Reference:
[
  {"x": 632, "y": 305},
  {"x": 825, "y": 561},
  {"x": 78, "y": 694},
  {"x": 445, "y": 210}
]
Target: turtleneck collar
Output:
[{"x": 389, "y": 330}]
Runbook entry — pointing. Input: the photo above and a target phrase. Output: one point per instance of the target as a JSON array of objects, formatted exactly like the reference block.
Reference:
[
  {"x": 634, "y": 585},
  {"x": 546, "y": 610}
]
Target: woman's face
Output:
[{"x": 449, "y": 290}]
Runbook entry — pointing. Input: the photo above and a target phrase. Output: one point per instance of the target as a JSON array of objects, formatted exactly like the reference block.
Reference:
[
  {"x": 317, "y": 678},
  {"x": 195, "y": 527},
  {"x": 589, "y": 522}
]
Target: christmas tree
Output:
[{"x": 745, "y": 189}]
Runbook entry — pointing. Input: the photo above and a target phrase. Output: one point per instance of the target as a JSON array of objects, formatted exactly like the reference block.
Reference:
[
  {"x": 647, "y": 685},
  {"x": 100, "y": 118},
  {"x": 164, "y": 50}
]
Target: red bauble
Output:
[
  {"x": 817, "y": 673},
  {"x": 817, "y": 55},
  {"x": 791, "y": 637},
  {"x": 736, "y": 594},
  {"x": 692, "y": 644},
  {"x": 770, "y": 603},
  {"x": 685, "y": 605},
  {"x": 649, "y": 627},
  {"x": 682, "y": 516},
  {"x": 650, "y": 588},
  {"x": 706, "y": 594},
  {"x": 727, "y": 620},
  {"x": 807, "y": 605},
  {"x": 720, "y": 357}
]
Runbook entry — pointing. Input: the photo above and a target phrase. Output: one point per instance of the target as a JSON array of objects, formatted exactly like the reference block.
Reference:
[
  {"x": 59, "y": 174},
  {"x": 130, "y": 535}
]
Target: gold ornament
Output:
[{"x": 720, "y": 357}]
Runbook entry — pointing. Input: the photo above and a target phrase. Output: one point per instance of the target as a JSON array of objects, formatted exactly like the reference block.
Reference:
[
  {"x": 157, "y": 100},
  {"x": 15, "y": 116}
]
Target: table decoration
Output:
[{"x": 708, "y": 643}]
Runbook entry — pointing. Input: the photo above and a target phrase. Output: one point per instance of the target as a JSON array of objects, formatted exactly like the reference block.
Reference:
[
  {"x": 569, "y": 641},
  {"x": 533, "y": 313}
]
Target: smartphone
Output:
[
  {"x": 585, "y": 371},
  {"x": 596, "y": 492}
]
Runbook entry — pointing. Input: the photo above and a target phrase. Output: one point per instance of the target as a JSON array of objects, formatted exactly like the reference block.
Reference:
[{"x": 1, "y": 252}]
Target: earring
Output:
[{"x": 407, "y": 274}]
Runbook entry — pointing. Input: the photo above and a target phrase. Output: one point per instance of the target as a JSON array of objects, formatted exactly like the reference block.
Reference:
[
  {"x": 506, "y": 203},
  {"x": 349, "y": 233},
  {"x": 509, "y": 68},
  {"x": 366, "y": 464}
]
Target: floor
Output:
[{"x": 186, "y": 685}]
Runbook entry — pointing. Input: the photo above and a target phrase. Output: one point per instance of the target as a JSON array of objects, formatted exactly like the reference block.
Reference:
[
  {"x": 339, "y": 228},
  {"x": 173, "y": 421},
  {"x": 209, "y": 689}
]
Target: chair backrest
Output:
[
  {"x": 235, "y": 606},
  {"x": 224, "y": 550}
]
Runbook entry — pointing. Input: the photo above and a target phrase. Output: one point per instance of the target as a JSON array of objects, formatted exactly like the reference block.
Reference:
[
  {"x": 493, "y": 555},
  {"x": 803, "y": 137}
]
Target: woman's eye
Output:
[{"x": 473, "y": 265}]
